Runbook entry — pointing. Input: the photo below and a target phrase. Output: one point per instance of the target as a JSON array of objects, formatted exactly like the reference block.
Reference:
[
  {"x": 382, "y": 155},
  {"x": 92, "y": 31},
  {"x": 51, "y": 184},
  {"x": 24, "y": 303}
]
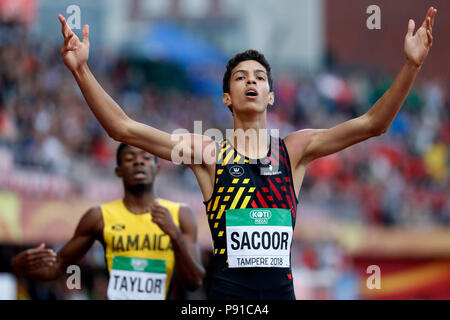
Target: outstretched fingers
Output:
[
  {"x": 433, "y": 14},
  {"x": 65, "y": 29},
  {"x": 86, "y": 33},
  {"x": 411, "y": 26},
  {"x": 68, "y": 35},
  {"x": 428, "y": 23}
]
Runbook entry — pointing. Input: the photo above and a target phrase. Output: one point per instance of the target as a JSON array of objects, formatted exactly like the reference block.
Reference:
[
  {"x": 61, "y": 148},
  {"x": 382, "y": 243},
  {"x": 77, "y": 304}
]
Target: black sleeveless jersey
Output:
[{"x": 241, "y": 182}]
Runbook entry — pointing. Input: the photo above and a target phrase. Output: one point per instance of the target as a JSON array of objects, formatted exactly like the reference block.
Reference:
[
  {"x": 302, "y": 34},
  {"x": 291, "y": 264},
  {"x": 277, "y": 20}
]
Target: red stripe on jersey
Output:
[
  {"x": 290, "y": 205},
  {"x": 274, "y": 189},
  {"x": 261, "y": 200},
  {"x": 274, "y": 156},
  {"x": 274, "y": 161},
  {"x": 293, "y": 198},
  {"x": 282, "y": 158},
  {"x": 284, "y": 161}
]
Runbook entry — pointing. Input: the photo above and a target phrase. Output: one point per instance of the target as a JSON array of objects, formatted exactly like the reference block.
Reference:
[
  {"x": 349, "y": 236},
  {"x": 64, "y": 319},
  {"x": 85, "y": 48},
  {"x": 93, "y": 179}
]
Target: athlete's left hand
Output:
[
  {"x": 417, "y": 46},
  {"x": 162, "y": 217}
]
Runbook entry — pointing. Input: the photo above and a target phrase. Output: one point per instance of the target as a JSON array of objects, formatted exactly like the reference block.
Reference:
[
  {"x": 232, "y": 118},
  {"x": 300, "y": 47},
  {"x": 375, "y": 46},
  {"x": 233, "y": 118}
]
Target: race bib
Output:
[
  {"x": 259, "y": 237},
  {"x": 137, "y": 279}
]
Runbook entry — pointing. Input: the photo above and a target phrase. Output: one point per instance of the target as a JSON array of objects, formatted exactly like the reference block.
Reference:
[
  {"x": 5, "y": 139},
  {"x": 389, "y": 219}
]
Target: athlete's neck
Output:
[
  {"x": 138, "y": 204},
  {"x": 250, "y": 136}
]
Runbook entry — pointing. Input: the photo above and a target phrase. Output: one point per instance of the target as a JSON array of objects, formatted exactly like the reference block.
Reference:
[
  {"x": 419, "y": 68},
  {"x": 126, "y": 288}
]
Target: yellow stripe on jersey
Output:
[
  {"x": 236, "y": 199},
  {"x": 216, "y": 203},
  {"x": 245, "y": 202},
  {"x": 222, "y": 153},
  {"x": 221, "y": 211},
  {"x": 228, "y": 157}
]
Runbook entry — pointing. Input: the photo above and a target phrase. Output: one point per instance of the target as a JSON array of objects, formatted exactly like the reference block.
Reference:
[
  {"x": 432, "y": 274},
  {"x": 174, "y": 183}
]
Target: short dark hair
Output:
[
  {"x": 244, "y": 56},
  {"x": 119, "y": 153},
  {"x": 120, "y": 148}
]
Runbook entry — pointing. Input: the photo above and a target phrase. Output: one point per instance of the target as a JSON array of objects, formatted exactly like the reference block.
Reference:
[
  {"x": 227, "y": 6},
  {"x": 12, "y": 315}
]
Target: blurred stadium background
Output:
[{"x": 383, "y": 202}]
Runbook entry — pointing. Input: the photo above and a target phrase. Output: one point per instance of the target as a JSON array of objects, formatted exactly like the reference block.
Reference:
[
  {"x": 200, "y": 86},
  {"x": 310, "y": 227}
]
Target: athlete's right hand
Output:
[
  {"x": 30, "y": 260},
  {"x": 75, "y": 53}
]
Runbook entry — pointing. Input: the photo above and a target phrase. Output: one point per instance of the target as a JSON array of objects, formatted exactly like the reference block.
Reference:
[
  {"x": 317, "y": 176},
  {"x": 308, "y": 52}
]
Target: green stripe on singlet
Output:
[{"x": 139, "y": 264}]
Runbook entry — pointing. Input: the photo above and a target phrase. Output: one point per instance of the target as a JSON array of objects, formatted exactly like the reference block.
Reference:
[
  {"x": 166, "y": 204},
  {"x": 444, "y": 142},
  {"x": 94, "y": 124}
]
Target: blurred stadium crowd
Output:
[{"x": 400, "y": 178}]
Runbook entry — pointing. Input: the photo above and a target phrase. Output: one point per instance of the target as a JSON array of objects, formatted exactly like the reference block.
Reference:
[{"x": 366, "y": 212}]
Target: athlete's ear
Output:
[
  {"x": 118, "y": 172},
  {"x": 271, "y": 98},
  {"x": 226, "y": 98}
]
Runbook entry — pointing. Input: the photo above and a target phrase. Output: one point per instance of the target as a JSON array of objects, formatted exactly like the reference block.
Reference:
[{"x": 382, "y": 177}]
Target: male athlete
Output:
[
  {"x": 249, "y": 186},
  {"x": 144, "y": 238}
]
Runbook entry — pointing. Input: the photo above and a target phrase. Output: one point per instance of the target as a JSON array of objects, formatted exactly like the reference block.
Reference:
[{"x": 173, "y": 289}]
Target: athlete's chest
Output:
[{"x": 125, "y": 235}]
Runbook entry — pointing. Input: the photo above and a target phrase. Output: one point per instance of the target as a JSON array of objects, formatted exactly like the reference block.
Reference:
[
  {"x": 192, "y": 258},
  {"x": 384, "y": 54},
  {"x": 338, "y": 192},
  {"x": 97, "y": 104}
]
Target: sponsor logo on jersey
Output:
[
  {"x": 139, "y": 264},
  {"x": 260, "y": 216},
  {"x": 236, "y": 171}
]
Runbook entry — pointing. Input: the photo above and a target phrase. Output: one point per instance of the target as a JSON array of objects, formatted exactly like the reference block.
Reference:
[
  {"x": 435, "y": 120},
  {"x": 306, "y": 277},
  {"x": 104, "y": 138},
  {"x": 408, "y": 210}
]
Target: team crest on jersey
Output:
[
  {"x": 236, "y": 171},
  {"x": 118, "y": 227}
]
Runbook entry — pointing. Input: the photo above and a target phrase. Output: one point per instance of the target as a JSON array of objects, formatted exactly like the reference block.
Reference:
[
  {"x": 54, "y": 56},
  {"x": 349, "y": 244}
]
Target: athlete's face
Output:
[
  {"x": 137, "y": 166},
  {"x": 249, "y": 88}
]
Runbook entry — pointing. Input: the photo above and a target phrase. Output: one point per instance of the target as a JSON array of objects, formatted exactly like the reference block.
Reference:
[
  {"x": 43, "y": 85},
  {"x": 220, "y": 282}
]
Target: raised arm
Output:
[
  {"x": 307, "y": 145},
  {"x": 44, "y": 265},
  {"x": 113, "y": 119}
]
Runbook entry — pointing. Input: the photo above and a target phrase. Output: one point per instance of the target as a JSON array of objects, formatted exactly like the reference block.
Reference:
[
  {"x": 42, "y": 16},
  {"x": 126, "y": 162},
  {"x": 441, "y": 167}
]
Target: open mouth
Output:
[{"x": 251, "y": 93}]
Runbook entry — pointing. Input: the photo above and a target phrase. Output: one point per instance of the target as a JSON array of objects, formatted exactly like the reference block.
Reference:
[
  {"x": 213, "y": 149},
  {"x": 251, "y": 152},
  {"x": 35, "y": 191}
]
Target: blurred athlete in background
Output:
[{"x": 145, "y": 238}]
